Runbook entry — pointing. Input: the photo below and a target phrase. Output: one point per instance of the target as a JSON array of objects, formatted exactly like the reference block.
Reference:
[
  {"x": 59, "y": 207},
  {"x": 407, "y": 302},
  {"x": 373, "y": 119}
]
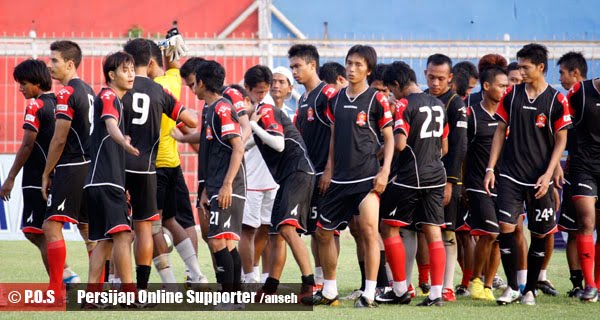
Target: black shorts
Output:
[
  {"x": 341, "y": 202},
  {"x": 584, "y": 184},
  {"x": 224, "y": 223},
  {"x": 407, "y": 201},
  {"x": 316, "y": 202},
  {"x": 173, "y": 196},
  {"x": 108, "y": 212},
  {"x": 34, "y": 209},
  {"x": 66, "y": 202},
  {"x": 452, "y": 210},
  {"x": 567, "y": 219},
  {"x": 142, "y": 192},
  {"x": 482, "y": 211},
  {"x": 292, "y": 202},
  {"x": 540, "y": 212}
]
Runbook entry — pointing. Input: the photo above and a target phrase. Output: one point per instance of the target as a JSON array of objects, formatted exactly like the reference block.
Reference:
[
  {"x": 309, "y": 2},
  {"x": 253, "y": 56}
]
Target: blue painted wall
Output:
[{"x": 443, "y": 19}]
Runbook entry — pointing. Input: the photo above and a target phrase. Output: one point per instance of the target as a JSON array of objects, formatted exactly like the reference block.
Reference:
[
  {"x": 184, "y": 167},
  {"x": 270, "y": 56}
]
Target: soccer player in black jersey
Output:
[
  {"x": 68, "y": 156},
  {"x": 538, "y": 116},
  {"x": 358, "y": 115},
  {"x": 105, "y": 181},
  {"x": 438, "y": 75},
  {"x": 334, "y": 74},
  {"x": 482, "y": 208},
  {"x": 144, "y": 106},
  {"x": 416, "y": 193},
  {"x": 311, "y": 121},
  {"x": 35, "y": 84},
  {"x": 469, "y": 75},
  {"x": 572, "y": 69},
  {"x": 285, "y": 153},
  {"x": 584, "y": 170}
]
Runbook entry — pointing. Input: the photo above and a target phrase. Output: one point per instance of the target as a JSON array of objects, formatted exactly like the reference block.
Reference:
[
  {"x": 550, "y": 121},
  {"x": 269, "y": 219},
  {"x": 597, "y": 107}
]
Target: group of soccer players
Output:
[{"x": 365, "y": 149}]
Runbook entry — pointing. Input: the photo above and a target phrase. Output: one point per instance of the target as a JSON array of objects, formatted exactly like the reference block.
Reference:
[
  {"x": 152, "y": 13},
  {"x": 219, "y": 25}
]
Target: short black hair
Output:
[
  {"x": 140, "y": 50},
  {"x": 156, "y": 53},
  {"x": 536, "y": 53},
  {"x": 113, "y": 61},
  {"x": 489, "y": 74},
  {"x": 574, "y": 60},
  {"x": 35, "y": 72},
  {"x": 329, "y": 72},
  {"x": 377, "y": 74},
  {"x": 189, "y": 67},
  {"x": 256, "y": 75},
  {"x": 241, "y": 89},
  {"x": 399, "y": 71},
  {"x": 438, "y": 59},
  {"x": 212, "y": 75},
  {"x": 461, "y": 81},
  {"x": 308, "y": 52},
  {"x": 69, "y": 51},
  {"x": 366, "y": 52},
  {"x": 512, "y": 67},
  {"x": 468, "y": 67}
]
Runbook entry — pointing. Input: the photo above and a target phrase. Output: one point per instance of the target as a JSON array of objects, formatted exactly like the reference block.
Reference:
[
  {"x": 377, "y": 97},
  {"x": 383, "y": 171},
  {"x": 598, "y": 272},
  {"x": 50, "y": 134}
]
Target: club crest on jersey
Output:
[
  {"x": 540, "y": 120},
  {"x": 361, "y": 119},
  {"x": 310, "y": 114},
  {"x": 209, "y": 133}
]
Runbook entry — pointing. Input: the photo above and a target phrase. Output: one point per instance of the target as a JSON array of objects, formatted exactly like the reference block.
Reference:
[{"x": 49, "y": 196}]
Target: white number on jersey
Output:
[
  {"x": 439, "y": 119},
  {"x": 91, "y": 113},
  {"x": 144, "y": 100}
]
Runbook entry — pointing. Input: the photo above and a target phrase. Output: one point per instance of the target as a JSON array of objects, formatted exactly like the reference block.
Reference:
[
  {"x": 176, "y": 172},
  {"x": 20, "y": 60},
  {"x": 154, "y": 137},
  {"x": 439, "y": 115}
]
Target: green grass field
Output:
[{"x": 20, "y": 262}]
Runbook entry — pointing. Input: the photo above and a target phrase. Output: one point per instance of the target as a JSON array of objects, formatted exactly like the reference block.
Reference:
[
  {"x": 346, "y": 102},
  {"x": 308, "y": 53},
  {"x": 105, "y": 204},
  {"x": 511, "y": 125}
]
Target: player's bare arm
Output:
[
  {"x": 245, "y": 126},
  {"x": 188, "y": 118},
  {"x": 115, "y": 134},
  {"x": 194, "y": 145},
  {"x": 543, "y": 182},
  {"x": 23, "y": 153},
  {"x": 192, "y": 138},
  {"x": 237, "y": 154},
  {"x": 490, "y": 179},
  {"x": 444, "y": 146},
  {"x": 328, "y": 171},
  {"x": 381, "y": 179},
  {"x": 57, "y": 145}
]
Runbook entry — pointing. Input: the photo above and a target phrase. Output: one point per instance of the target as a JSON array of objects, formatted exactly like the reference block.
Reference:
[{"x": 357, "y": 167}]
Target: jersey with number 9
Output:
[{"x": 144, "y": 106}]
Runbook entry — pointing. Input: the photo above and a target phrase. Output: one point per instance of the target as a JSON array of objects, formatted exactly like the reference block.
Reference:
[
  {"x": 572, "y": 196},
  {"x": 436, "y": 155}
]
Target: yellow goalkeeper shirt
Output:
[{"x": 168, "y": 156}]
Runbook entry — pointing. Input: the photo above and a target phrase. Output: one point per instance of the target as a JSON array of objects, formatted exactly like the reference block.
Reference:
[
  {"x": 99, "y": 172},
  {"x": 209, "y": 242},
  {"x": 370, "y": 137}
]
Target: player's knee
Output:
[
  {"x": 34, "y": 238},
  {"x": 324, "y": 236},
  {"x": 156, "y": 227}
]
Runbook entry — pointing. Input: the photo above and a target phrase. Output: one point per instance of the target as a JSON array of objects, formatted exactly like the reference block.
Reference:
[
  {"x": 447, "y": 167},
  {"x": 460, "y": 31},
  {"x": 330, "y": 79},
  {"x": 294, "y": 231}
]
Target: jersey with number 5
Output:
[
  {"x": 144, "y": 106},
  {"x": 422, "y": 119},
  {"x": 75, "y": 103}
]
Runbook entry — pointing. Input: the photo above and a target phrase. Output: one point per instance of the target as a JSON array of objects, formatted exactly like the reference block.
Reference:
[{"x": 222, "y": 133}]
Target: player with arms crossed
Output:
[{"x": 538, "y": 116}]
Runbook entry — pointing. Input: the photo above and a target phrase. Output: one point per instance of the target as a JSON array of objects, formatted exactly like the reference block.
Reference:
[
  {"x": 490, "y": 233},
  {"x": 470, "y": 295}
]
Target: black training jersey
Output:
[
  {"x": 143, "y": 109},
  {"x": 358, "y": 124},
  {"x": 533, "y": 122},
  {"x": 473, "y": 99},
  {"x": 39, "y": 117},
  {"x": 294, "y": 157},
  {"x": 74, "y": 102},
  {"x": 108, "y": 157},
  {"x": 219, "y": 124},
  {"x": 422, "y": 119},
  {"x": 312, "y": 123},
  {"x": 482, "y": 127},
  {"x": 236, "y": 98},
  {"x": 584, "y": 101},
  {"x": 457, "y": 138}
]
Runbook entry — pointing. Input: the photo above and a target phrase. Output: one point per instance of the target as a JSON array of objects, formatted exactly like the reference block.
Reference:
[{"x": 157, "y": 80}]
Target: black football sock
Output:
[
  {"x": 361, "y": 265},
  {"x": 142, "y": 274},
  {"x": 508, "y": 253},
  {"x": 382, "y": 279},
  {"x": 270, "y": 286},
  {"x": 308, "y": 283},
  {"x": 535, "y": 259},
  {"x": 106, "y": 270},
  {"x": 576, "y": 278},
  {"x": 224, "y": 264},
  {"x": 237, "y": 269}
]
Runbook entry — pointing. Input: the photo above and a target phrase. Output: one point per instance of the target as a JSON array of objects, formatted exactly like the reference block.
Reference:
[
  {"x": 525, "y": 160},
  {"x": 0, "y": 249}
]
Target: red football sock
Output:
[
  {"x": 597, "y": 265},
  {"x": 57, "y": 255},
  {"x": 467, "y": 276},
  {"x": 437, "y": 258},
  {"x": 424, "y": 272},
  {"x": 585, "y": 248},
  {"x": 396, "y": 257}
]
